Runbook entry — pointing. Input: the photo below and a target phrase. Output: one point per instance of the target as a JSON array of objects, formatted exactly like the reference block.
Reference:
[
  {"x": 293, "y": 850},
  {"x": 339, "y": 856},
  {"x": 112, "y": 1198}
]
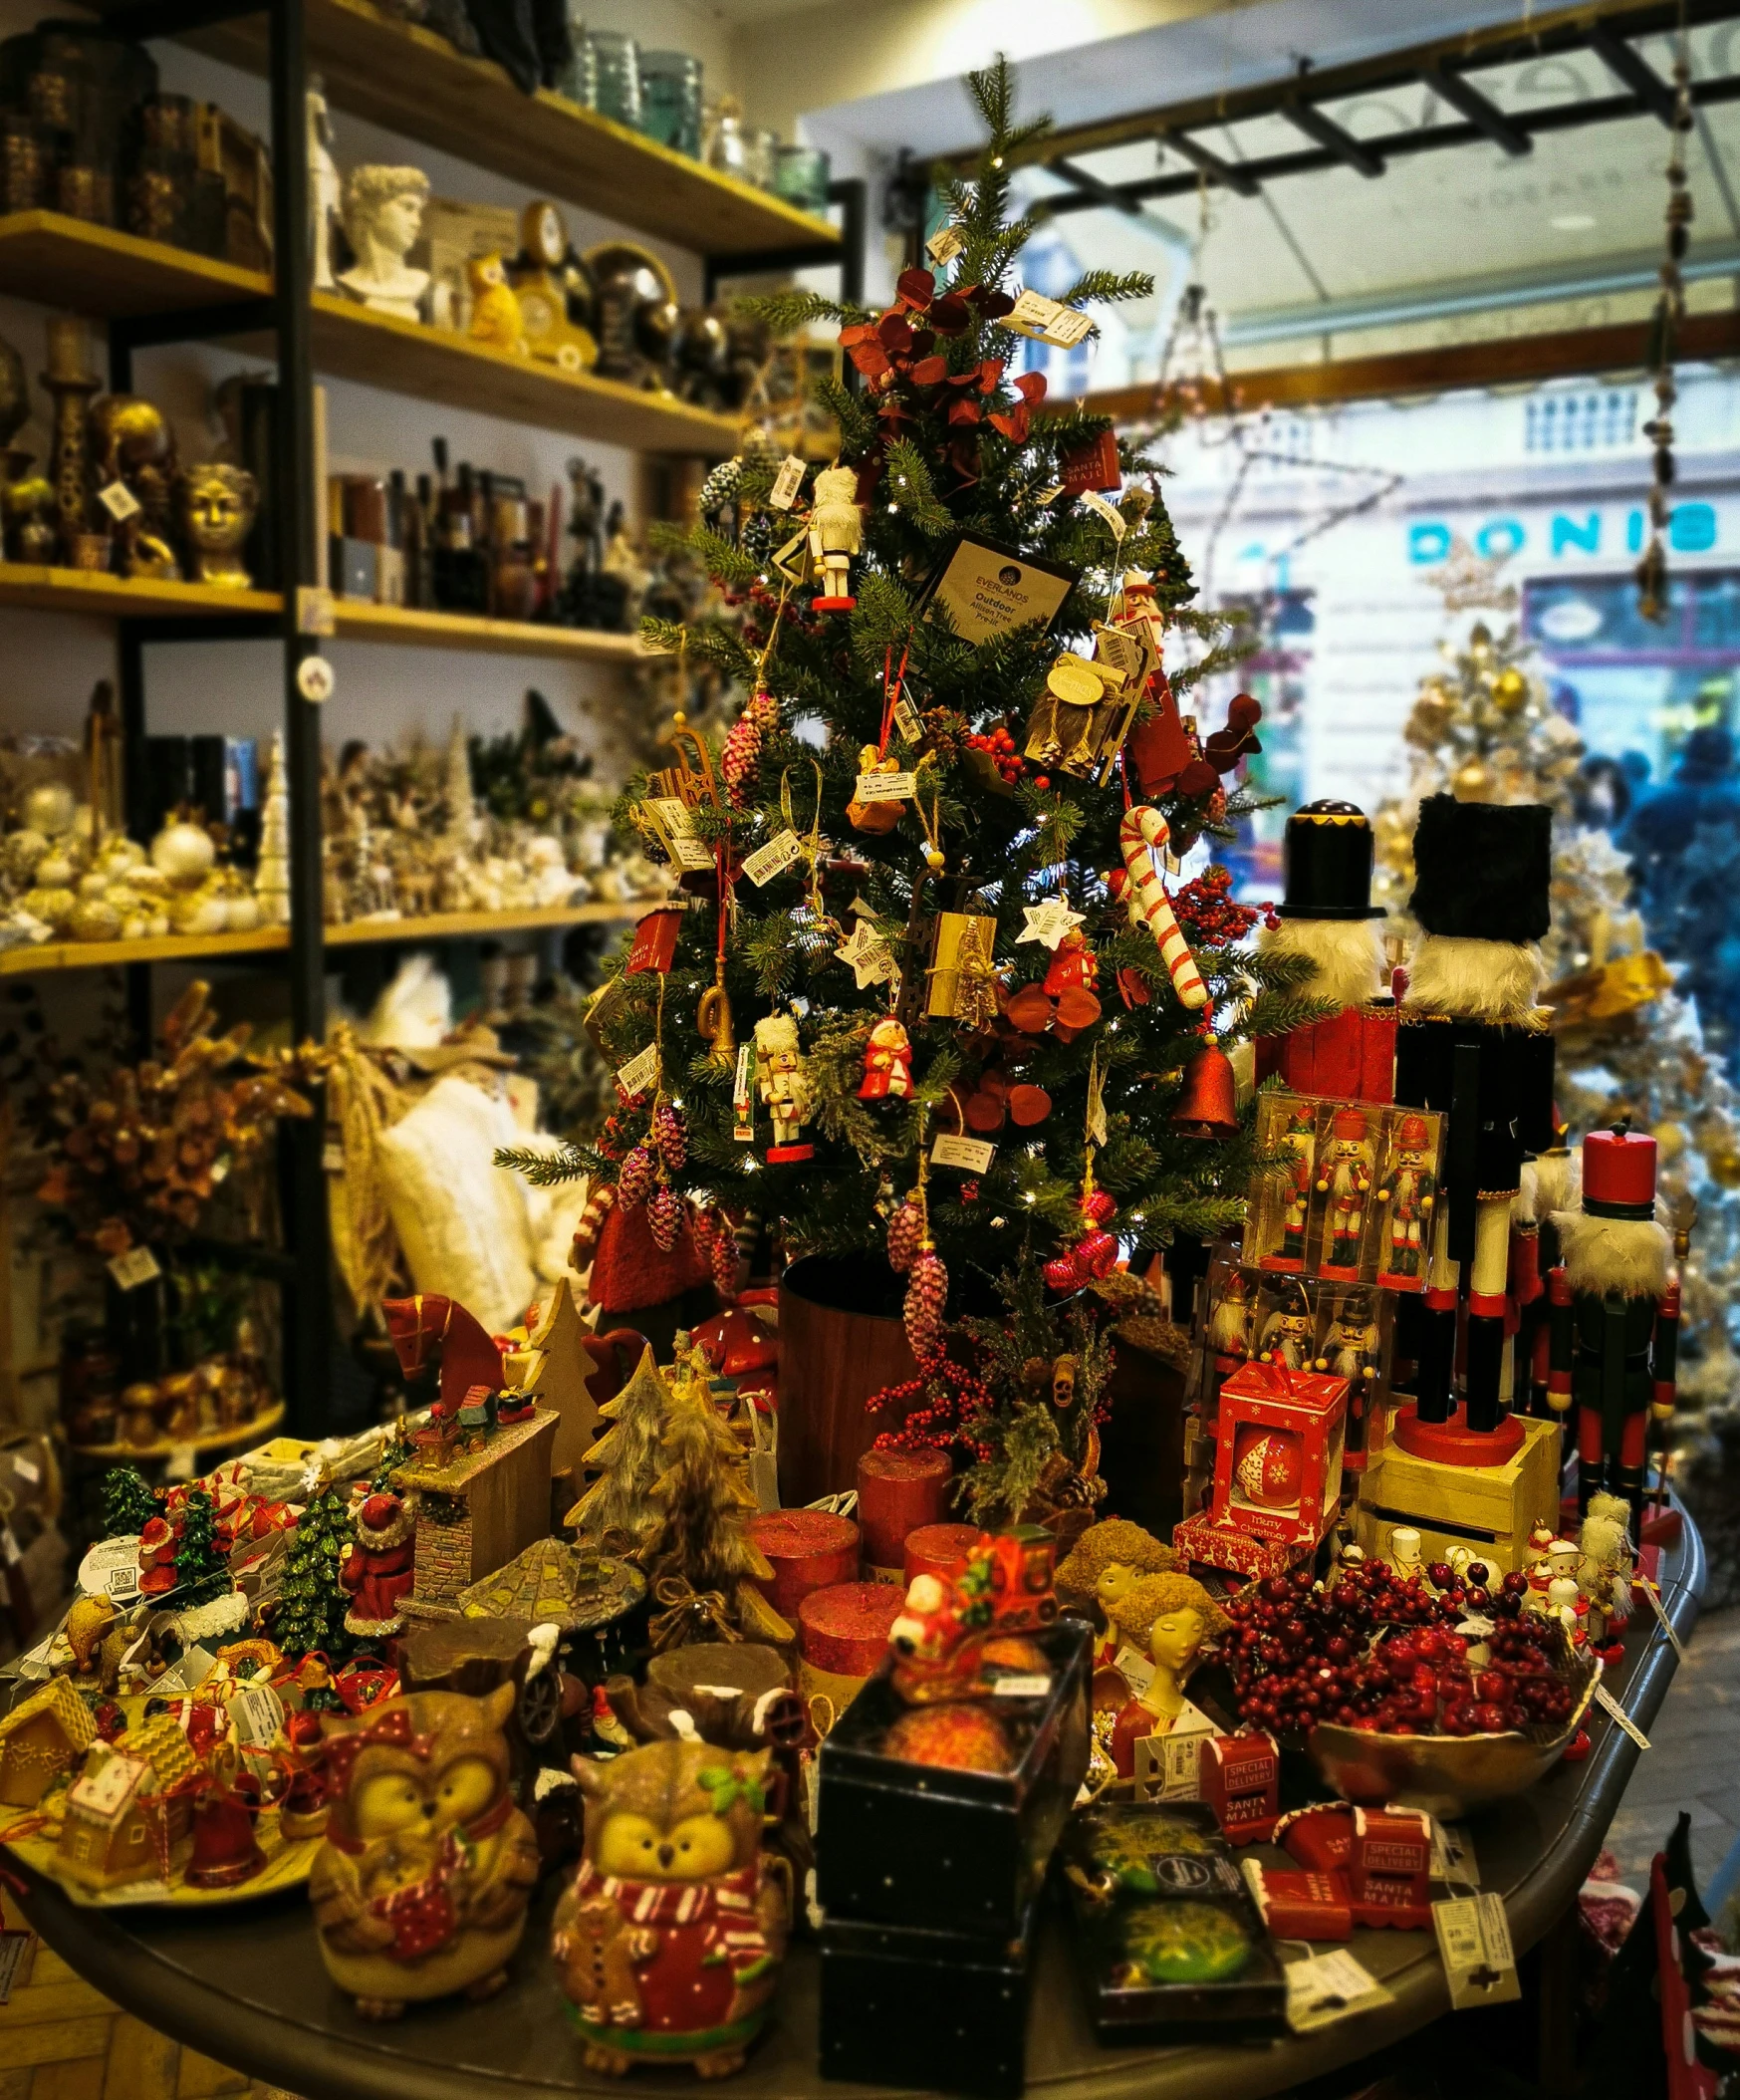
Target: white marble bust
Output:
[{"x": 383, "y": 215}]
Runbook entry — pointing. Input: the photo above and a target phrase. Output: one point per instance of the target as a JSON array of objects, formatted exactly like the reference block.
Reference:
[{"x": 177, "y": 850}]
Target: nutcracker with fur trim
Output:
[
  {"x": 835, "y": 535},
  {"x": 784, "y": 1085},
  {"x": 1352, "y": 1351},
  {"x": 1345, "y": 1175},
  {"x": 888, "y": 1063},
  {"x": 1615, "y": 1316},
  {"x": 1474, "y": 1042},
  {"x": 1231, "y": 1332},
  {"x": 1329, "y": 918},
  {"x": 1290, "y": 1335},
  {"x": 1549, "y": 1185},
  {"x": 1408, "y": 1192}
]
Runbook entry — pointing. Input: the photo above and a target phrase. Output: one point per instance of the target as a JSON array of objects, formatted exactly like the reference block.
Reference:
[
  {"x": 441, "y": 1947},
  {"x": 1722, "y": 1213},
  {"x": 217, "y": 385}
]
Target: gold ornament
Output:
[
  {"x": 1474, "y": 782},
  {"x": 1479, "y": 640},
  {"x": 1724, "y": 1164},
  {"x": 1510, "y": 691}
]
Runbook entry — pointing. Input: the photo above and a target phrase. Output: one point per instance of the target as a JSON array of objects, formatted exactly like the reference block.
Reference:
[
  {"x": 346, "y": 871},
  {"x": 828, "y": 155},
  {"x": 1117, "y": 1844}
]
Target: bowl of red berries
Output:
[{"x": 1444, "y": 1697}]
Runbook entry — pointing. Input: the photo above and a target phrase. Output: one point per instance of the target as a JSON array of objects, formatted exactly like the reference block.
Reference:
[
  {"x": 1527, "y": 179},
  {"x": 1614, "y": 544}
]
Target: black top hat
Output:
[
  {"x": 1481, "y": 869},
  {"x": 1328, "y": 862}
]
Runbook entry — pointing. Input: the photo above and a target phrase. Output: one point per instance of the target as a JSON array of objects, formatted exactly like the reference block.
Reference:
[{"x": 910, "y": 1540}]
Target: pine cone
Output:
[
  {"x": 742, "y": 752},
  {"x": 905, "y": 1230},
  {"x": 639, "y": 1173},
  {"x": 669, "y": 1136},
  {"x": 722, "y": 1256},
  {"x": 926, "y": 1294},
  {"x": 664, "y": 1216}
]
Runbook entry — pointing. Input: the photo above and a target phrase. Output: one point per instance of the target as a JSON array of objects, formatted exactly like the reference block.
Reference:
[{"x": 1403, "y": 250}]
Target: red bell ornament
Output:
[{"x": 1208, "y": 1105}]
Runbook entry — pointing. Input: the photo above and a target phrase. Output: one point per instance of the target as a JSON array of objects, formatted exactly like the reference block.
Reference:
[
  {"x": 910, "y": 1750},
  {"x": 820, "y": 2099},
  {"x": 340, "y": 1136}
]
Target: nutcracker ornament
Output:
[
  {"x": 1615, "y": 1300},
  {"x": 1300, "y": 1141},
  {"x": 1474, "y": 1043},
  {"x": 835, "y": 535},
  {"x": 1329, "y": 919},
  {"x": 784, "y": 1086},
  {"x": 1289, "y": 1334},
  {"x": 1345, "y": 1177},
  {"x": 1354, "y": 1350},
  {"x": 1407, "y": 1191},
  {"x": 888, "y": 1063}
]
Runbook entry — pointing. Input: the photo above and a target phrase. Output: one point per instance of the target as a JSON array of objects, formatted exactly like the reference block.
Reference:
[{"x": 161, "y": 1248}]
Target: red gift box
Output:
[
  {"x": 1241, "y": 1782},
  {"x": 1301, "y": 1903},
  {"x": 1278, "y": 1453},
  {"x": 1211, "y": 1545},
  {"x": 654, "y": 945},
  {"x": 1390, "y": 1871},
  {"x": 1320, "y": 1835}
]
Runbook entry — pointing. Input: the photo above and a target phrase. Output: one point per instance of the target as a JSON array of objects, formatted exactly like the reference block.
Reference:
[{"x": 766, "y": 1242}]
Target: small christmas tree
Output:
[
  {"x": 619, "y": 1500},
  {"x": 396, "y": 1452},
  {"x": 312, "y": 1604},
  {"x": 200, "y": 1569},
  {"x": 702, "y": 1505},
  {"x": 129, "y": 1501},
  {"x": 272, "y": 872}
]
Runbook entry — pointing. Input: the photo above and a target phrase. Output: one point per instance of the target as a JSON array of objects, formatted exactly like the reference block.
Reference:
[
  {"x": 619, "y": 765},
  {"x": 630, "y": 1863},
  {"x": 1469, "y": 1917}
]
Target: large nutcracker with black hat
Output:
[
  {"x": 1329, "y": 918},
  {"x": 1474, "y": 1042},
  {"x": 1615, "y": 1319}
]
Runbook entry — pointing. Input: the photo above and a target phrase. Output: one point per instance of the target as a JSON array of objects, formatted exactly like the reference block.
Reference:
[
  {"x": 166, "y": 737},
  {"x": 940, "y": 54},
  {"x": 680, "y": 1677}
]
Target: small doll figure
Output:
[
  {"x": 1168, "y": 1617},
  {"x": 873, "y": 818},
  {"x": 1074, "y": 967},
  {"x": 784, "y": 1086},
  {"x": 1409, "y": 1191},
  {"x": 835, "y": 535},
  {"x": 888, "y": 1063},
  {"x": 1604, "y": 1572},
  {"x": 1230, "y": 1337},
  {"x": 1301, "y": 1142},
  {"x": 1352, "y": 1352},
  {"x": 1290, "y": 1337},
  {"x": 1107, "y": 1560},
  {"x": 1345, "y": 1175}
]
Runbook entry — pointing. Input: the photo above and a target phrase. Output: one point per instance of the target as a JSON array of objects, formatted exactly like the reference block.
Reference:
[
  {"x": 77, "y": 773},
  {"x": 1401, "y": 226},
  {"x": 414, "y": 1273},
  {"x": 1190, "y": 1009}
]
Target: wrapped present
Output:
[{"x": 1278, "y": 1453}]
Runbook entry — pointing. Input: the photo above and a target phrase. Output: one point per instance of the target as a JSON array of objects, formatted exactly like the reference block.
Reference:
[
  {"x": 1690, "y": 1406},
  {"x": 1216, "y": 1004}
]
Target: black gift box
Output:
[
  {"x": 1166, "y": 1936},
  {"x": 944, "y": 2011},
  {"x": 951, "y": 1851}
]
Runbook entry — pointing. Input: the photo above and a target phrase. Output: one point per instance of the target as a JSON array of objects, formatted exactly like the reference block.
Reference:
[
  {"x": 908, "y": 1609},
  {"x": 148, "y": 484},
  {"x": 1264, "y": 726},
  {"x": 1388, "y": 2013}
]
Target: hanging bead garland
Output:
[{"x": 1651, "y": 572}]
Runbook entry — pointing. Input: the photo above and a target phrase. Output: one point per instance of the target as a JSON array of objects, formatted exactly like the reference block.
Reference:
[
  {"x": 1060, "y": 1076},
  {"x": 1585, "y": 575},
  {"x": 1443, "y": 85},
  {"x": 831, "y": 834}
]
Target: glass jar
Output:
[
  {"x": 723, "y": 149},
  {"x": 616, "y": 62},
  {"x": 580, "y": 76},
  {"x": 671, "y": 99},
  {"x": 800, "y": 178},
  {"x": 761, "y": 155}
]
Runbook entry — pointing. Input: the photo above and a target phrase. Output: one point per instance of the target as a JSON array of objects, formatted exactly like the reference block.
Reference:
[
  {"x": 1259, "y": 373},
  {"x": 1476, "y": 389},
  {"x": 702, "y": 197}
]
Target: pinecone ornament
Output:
[
  {"x": 905, "y": 1231},
  {"x": 926, "y": 1294},
  {"x": 742, "y": 752},
  {"x": 640, "y": 1172},
  {"x": 670, "y": 1137},
  {"x": 665, "y": 1218},
  {"x": 723, "y": 1255}
]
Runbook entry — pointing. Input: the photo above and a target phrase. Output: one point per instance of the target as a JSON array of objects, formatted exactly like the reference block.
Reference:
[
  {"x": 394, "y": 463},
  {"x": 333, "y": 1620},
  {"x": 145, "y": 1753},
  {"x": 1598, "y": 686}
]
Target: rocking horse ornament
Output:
[{"x": 429, "y": 1329}]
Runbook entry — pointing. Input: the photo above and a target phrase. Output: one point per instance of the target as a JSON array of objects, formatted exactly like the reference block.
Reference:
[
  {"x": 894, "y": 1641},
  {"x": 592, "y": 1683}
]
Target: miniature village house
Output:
[
  {"x": 117, "y": 1826},
  {"x": 44, "y": 1735},
  {"x": 476, "y": 1510}
]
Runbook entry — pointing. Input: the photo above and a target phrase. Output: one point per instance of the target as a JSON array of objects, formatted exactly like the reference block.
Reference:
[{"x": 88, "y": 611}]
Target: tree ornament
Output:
[
  {"x": 836, "y": 534},
  {"x": 1474, "y": 782},
  {"x": 1048, "y": 921},
  {"x": 669, "y": 1136},
  {"x": 664, "y": 1217},
  {"x": 873, "y": 819},
  {"x": 1510, "y": 691},
  {"x": 638, "y": 1175},
  {"x": 1209, "y": 1106},
  {"x": 1144, "y": 834},
  {"x": 1062, "y": 1274},
  {"x": 783, "y": 1081},
  {"x": 888, "y": 1063},
  {"x": 129, "y": 1503},
  {"x": 868, "y": 954},
  {"x": 926, "y": 1294},
  {"x": 743, "y": 744},
  {"x": 905, "y": 1231},
  {"x": 311, "y": 1602}
]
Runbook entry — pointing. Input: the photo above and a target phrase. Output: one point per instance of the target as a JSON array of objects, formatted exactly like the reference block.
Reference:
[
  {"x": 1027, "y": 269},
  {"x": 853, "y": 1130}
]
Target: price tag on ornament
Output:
[
  {"x": 944, "y": 245},
  {"x": 1605, "y": 1700},
  {"x": 1119, "y": 648},
  {"x": 640, "y": 1073},
  {"x": 1453, "y": 1855},
  {"x": 1474, "y": 1940},
  {"x": 1649, "y": 1590},
  {"x": 1135, "y": 1670},
  {"x": 123, "y": 1582},
  {"x": 785, "y": 483},
  {"x": 742, "y": 1098},
  {"x": 1329, "y": 1988},
  {"x": 773, "y": 859},
  {"x": 972, "y": 1155},
  {"x": 332, "y": 1159},
  {"x": 133, "y": 1269},
  {"x": 676, "y": 832},
  {"x": 1049, "y": 319},
  {"x": 886, "y": 787},
  {"x": 1108, "y": 512},
  {"x": 315, "y": 612},
  {"x": 1033, "y": 1684},
  {"x": 907, "y": 717},
  {"x": 120, "y": 502},
  {"x": 314, "y": 679}
]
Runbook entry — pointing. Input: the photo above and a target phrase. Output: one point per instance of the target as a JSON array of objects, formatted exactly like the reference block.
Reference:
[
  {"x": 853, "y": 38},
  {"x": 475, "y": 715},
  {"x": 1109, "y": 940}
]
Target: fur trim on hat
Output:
[
  {"x": 1346, "y": 956},
  {"x": 392, "y": 1533},
  {"x": 1476, "y": 980},
  {"x": 1626, "y": 1254}
]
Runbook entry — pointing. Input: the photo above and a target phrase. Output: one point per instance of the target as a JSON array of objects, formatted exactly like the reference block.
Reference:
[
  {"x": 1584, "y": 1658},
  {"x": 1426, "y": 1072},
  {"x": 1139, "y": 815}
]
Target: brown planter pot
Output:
[
  {"x": 841, "y": 1340},
  {"x": 1141, "y": 1448}
]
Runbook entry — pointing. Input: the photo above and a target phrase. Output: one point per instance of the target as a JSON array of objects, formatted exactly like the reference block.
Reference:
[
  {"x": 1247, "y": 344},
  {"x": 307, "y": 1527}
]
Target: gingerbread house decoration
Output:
[
  {"x": 117, "y": 1825},
  {"x": 476, "y": 1510},
  {"x": 555, "y": 1584},
  {"x": 43, "y": 1736}
]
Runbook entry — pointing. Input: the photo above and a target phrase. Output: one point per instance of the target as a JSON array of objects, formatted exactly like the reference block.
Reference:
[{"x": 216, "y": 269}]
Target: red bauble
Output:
[
  {"x": 1062, "y": 1274},
  {"x": 1095, "y": 1253},
  {"x": 1097, "y": 1206},
  {"x": 1269, "y": 1466}
]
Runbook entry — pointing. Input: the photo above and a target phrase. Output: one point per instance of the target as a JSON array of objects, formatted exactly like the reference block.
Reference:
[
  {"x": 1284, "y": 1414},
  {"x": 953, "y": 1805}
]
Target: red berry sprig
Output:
[{"x": 1206, "y": 913}]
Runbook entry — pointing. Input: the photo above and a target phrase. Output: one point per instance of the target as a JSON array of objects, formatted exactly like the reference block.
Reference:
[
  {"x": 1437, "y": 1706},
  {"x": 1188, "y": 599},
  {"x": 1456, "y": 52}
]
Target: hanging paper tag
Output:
[
  {"x": 907, "y": 717},
  {"x": 1605, "y": 1700},
  {"x": 742, "y": 1098},
  {"x": 1110, "y": 512},
  {"x": 1034, "y": 1685},
  {"x": 886, "y": 787},
  {"x": 1169, "y": 1768},
  {"x": 120, "y": 502},
  {"x": 1051, "y": 322},
  {"x": 1453, "y": 1855},
  {"x": 332, "y": 1158},
  {"x": 972, "y": 1154},
  {"x": 1474, "y": 1941},
  {"x": 773, "y": 859},
  {"x": 944, "y": 245},
  {"x": 785, "y": 483},
  {"x": 640, "y": 1072},
  {"x": 1119, "y": 647},
  {"x": 138, "y": 1265},
  {"x": 1329, "y": 1988},
  {"x": 676, "y": 832},
  {"x": 123, "y": 1582},
  {"x": 1643, "y": 1582},
  {"x": 1135, "y": 1670}
]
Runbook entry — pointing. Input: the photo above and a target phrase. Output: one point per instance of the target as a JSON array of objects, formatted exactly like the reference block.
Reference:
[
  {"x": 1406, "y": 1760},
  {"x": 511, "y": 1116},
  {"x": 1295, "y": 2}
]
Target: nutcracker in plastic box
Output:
[
  {"x": 1278, "y": 1457},
  {"x": 1352, "y": 1197}
]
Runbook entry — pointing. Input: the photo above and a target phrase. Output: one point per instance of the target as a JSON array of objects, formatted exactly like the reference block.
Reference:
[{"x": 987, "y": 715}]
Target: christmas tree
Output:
[
  {"x": 129, "y": 1503},
  {"x": 939, "y": 825},
  {"x": 200, "y": 1569},
  {"x": 310, "y": 1603},
  {"x": 699, "y": 1539},
  {"x": 618, "y": 1502}
]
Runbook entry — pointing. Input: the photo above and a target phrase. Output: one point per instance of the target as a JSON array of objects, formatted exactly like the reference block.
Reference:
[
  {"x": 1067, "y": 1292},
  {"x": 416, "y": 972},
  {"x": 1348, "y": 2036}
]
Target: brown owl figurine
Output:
[
  {"x": 421, "y": 1888},
  {"x": 668, "y": 1944}
]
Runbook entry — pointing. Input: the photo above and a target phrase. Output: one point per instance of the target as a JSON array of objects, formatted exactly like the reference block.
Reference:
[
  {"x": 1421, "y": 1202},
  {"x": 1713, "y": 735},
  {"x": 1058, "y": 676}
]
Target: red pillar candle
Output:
[
  {"x": 845, "y": 1629},
  {"x": 809, "y": 1550},
  {"x": 935, "y": 1549},
  {"x": 896, "y": 1492}
]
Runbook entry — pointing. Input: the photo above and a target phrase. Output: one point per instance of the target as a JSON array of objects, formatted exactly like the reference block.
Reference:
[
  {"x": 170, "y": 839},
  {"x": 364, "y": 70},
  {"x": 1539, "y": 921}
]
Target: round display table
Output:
[{"x": 246, "y": 1984}]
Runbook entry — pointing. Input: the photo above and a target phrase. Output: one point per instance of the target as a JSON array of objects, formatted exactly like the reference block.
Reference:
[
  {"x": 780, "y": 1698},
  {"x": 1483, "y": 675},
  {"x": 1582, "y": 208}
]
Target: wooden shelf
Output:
[
  {"x": 360, "y": 621},
  {"x": 166, "y": 1447},
  {"x": 174, "y": 948},
  {"x": 96, "y": 271},
  {"x": 83, "y": 591},
  {"x": 414, "y": 81},
  {"x": 463, "y": 926}
]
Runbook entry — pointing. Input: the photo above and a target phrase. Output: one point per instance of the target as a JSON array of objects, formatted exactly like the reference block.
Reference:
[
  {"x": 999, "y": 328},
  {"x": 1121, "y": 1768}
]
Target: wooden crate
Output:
[{"x": 1492, "y": 1508}]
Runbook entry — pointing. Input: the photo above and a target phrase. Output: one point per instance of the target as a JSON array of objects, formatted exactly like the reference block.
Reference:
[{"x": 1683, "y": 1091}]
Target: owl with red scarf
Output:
[{"x": 421, "y": 1888}]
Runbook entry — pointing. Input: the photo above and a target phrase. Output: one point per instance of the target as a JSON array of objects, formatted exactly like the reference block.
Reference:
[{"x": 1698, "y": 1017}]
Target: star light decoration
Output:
[
  {"x": 1048, "y": 921},
  {"x": 868, "y": 954}
]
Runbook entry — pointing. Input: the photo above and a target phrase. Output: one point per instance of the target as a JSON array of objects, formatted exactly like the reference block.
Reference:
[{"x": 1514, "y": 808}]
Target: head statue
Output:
[
  {"x": 215, "y": 505},
  {"x": 1168, "y": 1617},
  {"x": 1111, "y": 1558},
  {"x": 383, "y": 206}
]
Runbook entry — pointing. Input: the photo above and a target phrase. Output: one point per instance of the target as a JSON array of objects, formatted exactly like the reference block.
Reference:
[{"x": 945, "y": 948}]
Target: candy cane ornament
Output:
[{"x": 1142, "y": 835}]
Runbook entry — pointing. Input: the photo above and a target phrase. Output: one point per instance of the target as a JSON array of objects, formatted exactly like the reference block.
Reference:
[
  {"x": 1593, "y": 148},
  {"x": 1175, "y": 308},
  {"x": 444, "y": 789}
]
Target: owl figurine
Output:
[
  {"x": 422, "y": 1885},
  {"x": 670, "y": 1941},
  {"x": 495, "y": 312}
]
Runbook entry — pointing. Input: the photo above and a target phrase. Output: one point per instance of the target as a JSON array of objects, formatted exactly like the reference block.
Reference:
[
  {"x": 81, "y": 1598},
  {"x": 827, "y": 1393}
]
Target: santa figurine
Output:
[
  {"x": 377, "y": 1570},
  {"x": 888, "y": 1063},
  {"x": 1329, "y": 919},
  {"x": 1345, "y": 1175}
]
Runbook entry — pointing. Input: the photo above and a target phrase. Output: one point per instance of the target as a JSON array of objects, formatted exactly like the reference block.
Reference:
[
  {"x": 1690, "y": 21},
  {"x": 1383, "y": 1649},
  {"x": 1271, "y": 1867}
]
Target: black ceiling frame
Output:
[{"x": 1606, "y": 32}]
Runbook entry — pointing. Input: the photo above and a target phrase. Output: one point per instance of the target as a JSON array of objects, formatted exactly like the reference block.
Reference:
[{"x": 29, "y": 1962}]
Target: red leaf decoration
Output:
[
  {"x": 990, "y": 371},
  {"x": 929, "y": 372},
  {"x": 963, "y": 411},
  {"x": 860, "y": 332},
  {"x": 896, "y": 332},
  {"x": 924, "y": 342},
  {"x": 916, "y": 287},
  {"x": 869, "y": 358},
  {"x": 993, "y": 305},
  {"x": 1012, "y": 426},
  {"x": 963, "y": 378},
  {"x": 950, "y": 316},
  {"x": 1031, "y": 387}
]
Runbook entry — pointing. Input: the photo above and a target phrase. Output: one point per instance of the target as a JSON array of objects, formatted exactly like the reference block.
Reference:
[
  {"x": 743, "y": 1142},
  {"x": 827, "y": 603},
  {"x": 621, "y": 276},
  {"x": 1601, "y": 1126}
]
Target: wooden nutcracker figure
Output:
[
  {"x": 1345, "y": 1175},
  {"x": 1290, "y": 1335},
  {"x": 1549, "y": 1185},
  {"x": 835, "y": 535},
  {"x": 784, "y": 1086},
  {"x": 1231, "y": 1337},
  {"x": 1408, "y": 1192},
  {"x": 1474, "y": 1043},
  {"x": 1329, "y": 918},
  {"x": 1615, "y": 1300},
  {"x": 1300, "y": 1141},
  {"x": 1352, "y": 1351},
  {"x": 888, "y": 1063}
]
